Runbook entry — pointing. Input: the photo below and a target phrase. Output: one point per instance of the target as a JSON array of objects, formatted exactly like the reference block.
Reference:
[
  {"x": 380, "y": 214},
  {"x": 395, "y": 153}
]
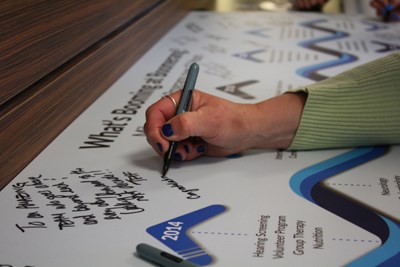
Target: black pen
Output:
[
  {"x": 161, "y": 257},
  {"x": 183, "y": 106}
]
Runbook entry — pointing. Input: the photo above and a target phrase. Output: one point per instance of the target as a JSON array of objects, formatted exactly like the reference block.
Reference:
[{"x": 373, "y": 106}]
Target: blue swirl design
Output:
[
  {"x": 307, "y": 184},
  {"x": 375, "y": 26},
  {"x": 311, "y": 72}
]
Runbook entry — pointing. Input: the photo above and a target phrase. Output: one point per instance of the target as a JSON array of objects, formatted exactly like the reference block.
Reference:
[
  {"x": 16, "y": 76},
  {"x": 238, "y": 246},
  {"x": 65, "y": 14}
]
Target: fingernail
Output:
[
  {"x": 186, "y": 147},
  {"x": 167, "y": 130},
  {"x": 234, "y": 156},
  {"x": 159, "y": 146},
  {"x": 178, "y": 156},
  {"x": 201, "y": 149}
]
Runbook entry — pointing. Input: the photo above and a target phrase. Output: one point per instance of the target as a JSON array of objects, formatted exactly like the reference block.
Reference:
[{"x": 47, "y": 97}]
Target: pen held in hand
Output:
[{"x": 183, "y": 106}]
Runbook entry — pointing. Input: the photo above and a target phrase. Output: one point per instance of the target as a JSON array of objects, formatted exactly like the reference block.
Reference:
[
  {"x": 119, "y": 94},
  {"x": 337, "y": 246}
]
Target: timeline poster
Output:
[{"x": 96, "y": 191}]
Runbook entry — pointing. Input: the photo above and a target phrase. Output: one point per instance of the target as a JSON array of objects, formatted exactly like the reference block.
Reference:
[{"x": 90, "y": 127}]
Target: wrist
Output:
[{"x": 276, "y": 120}]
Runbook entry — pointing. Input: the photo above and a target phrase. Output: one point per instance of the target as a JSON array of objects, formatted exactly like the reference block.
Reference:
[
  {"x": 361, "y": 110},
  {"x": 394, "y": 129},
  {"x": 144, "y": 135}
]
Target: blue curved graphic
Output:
[
  {"x": 311, "y": 72},
  {"x": 375, "y": 26},
  {"x": 172, "y": 233},
  {"x": 307, "y": 184}
]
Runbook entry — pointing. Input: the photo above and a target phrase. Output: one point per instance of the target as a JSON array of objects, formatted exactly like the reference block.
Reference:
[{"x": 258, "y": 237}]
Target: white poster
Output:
[{"x": 96, "y": 191}]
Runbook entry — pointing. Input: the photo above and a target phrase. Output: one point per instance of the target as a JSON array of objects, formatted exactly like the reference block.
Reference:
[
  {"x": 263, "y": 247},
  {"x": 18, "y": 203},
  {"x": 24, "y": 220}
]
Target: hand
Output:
[
  {"x": 389, "y": 10},
  {"x": 218, "y": 127},
  {"x": 308, "y": 4}
]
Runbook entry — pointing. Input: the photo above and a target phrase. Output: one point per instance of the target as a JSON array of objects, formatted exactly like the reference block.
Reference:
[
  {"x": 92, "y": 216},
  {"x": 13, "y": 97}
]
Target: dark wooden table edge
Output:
[{"x": 47, "y": 96}]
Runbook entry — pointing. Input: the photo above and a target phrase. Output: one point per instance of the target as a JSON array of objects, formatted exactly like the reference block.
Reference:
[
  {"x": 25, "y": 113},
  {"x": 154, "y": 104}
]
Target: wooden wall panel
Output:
[{"x": 40, "y": 112}]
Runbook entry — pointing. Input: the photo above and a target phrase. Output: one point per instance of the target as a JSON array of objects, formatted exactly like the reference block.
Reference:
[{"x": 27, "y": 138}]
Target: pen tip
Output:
[{"x": 165, "y": 170}]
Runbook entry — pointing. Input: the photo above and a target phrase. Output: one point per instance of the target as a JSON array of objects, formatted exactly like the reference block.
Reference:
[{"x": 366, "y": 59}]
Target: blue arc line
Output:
[
  {"x": 311, "y": 72},
  {"x": 387, "y": 254},
  {"x": 374, "y": 26},
  {"x": 307, "y": 183}
]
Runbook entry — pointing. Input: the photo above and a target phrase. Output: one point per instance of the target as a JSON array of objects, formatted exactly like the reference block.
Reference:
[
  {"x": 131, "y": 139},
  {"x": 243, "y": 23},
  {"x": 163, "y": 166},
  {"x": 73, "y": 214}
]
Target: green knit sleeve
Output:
[{"x": 356, "y": 108}]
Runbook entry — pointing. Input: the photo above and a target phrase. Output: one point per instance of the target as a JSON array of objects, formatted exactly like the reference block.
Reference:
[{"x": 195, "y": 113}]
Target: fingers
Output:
[
  {"x": 208, "y": 119},
  {"x": 308, "y": 4},
  {"x": 189, "y": 126},
  {"x": 161, "y": 126},
  {"x": 210, "y": 128},
  {"x": 379, "y": 6},
  {"x": 190, "y": 149},
  {"x": 185, "y": 125},
  {"x": 395, "y": 16},
  {"x": 389, "y": 10},
  {"x": 156, "y": 116}
]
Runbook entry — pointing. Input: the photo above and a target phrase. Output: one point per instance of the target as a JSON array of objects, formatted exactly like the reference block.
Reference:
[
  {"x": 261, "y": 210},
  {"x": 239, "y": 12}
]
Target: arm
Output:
[{"x": 356, "y": 108}]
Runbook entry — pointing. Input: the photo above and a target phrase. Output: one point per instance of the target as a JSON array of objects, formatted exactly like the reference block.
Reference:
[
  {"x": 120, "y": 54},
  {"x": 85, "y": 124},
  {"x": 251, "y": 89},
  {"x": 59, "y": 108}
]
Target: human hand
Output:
[
  {"x": 389, "y": 10},
  {"x": 308, "y": 4},
  {"x": 219, "y": 127}
]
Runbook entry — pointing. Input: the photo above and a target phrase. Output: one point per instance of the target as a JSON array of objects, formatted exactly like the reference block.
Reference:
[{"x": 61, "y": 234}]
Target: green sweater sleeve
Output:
[{"x": 356, "y": 108}]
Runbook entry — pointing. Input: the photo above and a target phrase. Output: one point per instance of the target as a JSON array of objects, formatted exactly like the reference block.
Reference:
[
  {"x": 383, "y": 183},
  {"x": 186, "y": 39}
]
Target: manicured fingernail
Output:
[
  {"x": 234, "y": 156},
  {"x": 178, "y": 156},
  {"x": 159, "y": 146},
  {"x": 186, "y": 147},
  {"x": 167, "y": 130},
  {"x": 201, "y": 149}
]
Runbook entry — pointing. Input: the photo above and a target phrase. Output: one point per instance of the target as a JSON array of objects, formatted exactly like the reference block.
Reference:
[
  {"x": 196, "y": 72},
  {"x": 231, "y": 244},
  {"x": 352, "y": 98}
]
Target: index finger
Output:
[{"x": 156, "y": 116}]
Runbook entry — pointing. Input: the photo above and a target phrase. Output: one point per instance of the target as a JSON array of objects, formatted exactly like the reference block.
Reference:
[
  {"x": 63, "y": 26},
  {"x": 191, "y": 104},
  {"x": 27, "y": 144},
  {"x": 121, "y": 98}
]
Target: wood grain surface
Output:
[
  {"x": 39, "y": 36},
  {"x": 45, "y": 96}
]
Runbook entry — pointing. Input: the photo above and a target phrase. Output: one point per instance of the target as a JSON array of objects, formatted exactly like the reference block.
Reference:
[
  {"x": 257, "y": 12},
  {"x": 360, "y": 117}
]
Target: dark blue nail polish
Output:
[
  {"x": 167, "y": 130},
  {"x": 186, "y": 147},
  {"x": 178, "y": 156},
  {"x": 234, "y": 156},
  {"x": 159, "y": 147},
  {"x": 201, "y": 149}
]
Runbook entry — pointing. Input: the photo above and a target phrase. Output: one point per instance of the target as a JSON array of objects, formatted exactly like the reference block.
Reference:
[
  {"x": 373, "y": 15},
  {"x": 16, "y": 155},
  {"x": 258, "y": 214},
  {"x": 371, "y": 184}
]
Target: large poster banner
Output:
[{"x": 96, "y": 191}]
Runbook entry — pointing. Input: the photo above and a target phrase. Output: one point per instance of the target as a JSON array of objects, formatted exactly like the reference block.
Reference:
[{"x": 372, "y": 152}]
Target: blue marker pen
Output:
[{"x": 161, "y": 257}]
